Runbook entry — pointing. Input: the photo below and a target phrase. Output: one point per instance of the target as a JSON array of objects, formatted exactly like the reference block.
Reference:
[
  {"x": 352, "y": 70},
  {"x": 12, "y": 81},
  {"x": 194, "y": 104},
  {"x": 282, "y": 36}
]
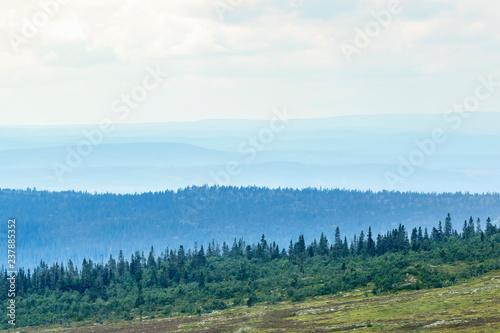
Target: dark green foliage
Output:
[
  {"x": 198, "y": 281},
  {"x": 251, "y": 300}
]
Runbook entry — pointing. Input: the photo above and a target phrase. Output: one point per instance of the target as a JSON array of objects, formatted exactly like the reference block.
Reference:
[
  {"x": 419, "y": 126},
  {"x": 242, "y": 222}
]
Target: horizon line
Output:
[{"x": 234, "y": 119}]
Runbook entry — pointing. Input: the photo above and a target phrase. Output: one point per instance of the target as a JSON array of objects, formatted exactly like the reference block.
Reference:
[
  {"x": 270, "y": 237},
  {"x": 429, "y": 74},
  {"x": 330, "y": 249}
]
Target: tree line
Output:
[{"x": 217, "y": 276}]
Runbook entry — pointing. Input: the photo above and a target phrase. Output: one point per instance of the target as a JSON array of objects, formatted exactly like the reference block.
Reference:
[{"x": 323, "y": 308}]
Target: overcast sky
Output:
[{"x": 240, "y": 59}]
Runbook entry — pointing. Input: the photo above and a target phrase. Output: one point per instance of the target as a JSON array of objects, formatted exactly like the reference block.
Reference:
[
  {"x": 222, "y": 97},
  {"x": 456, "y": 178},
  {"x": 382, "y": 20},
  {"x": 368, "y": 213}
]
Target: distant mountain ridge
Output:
[{"x": 355, "y": 152}]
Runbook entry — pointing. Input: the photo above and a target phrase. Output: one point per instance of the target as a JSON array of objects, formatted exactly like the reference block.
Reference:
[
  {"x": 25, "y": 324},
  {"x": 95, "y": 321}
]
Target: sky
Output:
[{"x": 80, "y": 61}]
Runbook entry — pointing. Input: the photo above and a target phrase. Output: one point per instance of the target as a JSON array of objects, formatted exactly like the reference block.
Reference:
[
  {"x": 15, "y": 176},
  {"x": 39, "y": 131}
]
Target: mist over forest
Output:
[{"x": 58, "y": 226}]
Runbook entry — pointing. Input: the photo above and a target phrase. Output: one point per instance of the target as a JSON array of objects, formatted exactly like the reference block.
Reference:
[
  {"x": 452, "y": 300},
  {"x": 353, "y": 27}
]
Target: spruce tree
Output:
[
  {"x": 370, "y": 245},
  {"x": 448, "y": 227},
  {"x": 490, "y": 229}
]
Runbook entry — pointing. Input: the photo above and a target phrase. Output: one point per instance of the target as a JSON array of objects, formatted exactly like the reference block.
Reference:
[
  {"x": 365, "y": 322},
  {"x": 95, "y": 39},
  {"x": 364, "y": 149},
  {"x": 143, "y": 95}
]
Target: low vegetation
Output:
[{"x": 471, "y": 306}]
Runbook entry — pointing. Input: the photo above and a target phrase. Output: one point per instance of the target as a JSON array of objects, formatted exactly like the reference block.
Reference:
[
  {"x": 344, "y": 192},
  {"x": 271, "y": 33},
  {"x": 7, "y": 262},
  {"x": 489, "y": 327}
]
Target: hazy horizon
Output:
[
  {"x": 243, "y": 119},
  {"x": 374, "y": 152}
]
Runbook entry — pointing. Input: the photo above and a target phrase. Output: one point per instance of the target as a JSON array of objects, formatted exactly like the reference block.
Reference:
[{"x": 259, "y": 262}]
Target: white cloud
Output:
[{"x": 278, "y": 52}]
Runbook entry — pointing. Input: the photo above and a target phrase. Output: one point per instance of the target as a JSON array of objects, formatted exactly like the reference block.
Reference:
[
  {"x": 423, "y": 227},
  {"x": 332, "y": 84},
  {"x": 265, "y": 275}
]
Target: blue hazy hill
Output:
[
  {"x": 354, "y": 152},
  {"x": 57, "y": 226}
]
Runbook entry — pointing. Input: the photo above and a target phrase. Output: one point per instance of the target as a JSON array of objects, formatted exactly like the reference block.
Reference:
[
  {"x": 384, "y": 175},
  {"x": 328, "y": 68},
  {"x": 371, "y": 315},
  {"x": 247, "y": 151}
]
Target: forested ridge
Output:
[
  {"x": 214, "y": 275},
  {"x": 57, "y": 226}
]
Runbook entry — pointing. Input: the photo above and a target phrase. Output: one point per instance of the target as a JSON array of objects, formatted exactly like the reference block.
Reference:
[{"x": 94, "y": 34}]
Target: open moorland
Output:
[{"x": 471, "y": 306}]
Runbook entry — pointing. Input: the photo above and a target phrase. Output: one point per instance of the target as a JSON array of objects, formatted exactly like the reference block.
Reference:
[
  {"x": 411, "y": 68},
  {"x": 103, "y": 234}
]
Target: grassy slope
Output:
[{"x": 472, "y": 306}]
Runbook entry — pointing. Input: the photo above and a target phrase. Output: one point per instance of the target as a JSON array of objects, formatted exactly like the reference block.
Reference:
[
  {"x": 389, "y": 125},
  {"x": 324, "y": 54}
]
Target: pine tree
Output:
[
  {"x": 471, "y": 227},
  {"x": 225, "y": 249},
  {"x": 345, "y": 247},
  {"x": 465, "y": 230},
  {"x": 414, "y": 240},
  {"x": 338, "y": 239},
  {"x": 121, "y": 264},
  {"x": 201, "y": 257},
  {"x": 448, "y": 227},
  {"x": 323, "y": 245},
  {"x": 300, "y": 246},
  {"x": 361, "y": 243},
  {"x": 435, "y": 234},
  {"x": 370, "y": 244},
  {"x": 426, "y": 245},
  {"x": 262, "y": 249},
  {"x": 291, "y": 250},
  {"x": 380, "y": 245},
  {"x": 151, "y": 258},
  {"x": 338, "y": 246},
  {"x": 181, "y": 256},
  {"x": 490, "y": 228}
]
